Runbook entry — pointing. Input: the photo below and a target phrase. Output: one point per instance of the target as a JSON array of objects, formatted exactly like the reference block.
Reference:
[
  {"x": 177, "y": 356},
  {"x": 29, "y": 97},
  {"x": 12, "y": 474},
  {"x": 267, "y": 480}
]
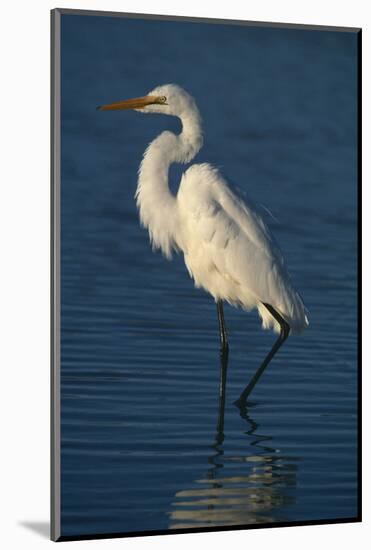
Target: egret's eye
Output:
[{"x": 162, "y": 99}]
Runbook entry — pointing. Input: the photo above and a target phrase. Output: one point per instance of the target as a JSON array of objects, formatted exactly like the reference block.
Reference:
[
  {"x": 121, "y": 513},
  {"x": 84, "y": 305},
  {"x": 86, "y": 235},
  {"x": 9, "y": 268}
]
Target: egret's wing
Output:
[{"x": 234, "y": 235}]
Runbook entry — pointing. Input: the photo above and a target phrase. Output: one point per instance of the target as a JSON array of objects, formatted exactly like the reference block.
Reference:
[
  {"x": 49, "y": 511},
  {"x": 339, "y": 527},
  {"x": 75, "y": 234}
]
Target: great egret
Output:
[{"x": 228, "y": 249}]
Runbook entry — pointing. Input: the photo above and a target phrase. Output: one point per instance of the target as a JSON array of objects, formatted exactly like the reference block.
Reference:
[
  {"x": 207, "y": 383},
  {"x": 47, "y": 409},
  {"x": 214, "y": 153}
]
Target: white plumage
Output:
[
  {"x": 228, "y": 249},
  {"x": 230, "y": 252}
]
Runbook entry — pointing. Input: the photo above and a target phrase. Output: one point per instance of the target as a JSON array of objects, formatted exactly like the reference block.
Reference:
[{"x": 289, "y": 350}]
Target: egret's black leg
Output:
[
  {"x": 222, "y": 384},
  {"x": 222, "y": 329},
  {"x": 285, "y": 331}
]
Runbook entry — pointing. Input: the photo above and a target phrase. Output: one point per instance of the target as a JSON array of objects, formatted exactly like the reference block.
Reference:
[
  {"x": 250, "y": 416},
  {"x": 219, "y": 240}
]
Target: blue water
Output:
[{"x": 139, "y": 356}]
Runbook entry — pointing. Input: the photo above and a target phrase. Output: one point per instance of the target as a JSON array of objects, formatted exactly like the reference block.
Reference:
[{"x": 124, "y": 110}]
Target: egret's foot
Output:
[
  {"x": 243, "y": 404},
  {"x": 240, "y": 403}
]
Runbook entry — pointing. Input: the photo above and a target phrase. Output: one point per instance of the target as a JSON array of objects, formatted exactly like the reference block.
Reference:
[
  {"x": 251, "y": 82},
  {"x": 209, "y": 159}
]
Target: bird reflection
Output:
[{"x": 241, "y": 486}]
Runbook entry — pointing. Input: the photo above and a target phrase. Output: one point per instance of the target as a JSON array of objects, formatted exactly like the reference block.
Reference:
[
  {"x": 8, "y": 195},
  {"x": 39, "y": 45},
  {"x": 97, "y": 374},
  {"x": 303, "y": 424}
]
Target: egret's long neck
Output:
[{"x": 156, "y": 203}]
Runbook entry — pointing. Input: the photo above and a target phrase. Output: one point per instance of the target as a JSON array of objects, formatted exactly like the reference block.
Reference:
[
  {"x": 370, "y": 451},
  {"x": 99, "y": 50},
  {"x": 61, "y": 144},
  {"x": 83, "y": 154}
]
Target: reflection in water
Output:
[{"x": 239, "y": 488}]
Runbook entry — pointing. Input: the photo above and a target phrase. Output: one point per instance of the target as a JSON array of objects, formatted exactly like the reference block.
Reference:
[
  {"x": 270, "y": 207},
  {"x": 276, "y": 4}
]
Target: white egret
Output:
[{"x": 227, "y": 247}]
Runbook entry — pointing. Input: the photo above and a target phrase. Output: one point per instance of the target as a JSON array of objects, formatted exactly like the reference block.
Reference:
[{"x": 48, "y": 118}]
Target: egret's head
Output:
[{"x": 168, "y": 99}]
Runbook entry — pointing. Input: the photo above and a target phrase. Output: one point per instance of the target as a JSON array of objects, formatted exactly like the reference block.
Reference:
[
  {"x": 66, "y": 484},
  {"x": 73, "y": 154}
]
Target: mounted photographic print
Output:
[{"x": 205, "y": 270}]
